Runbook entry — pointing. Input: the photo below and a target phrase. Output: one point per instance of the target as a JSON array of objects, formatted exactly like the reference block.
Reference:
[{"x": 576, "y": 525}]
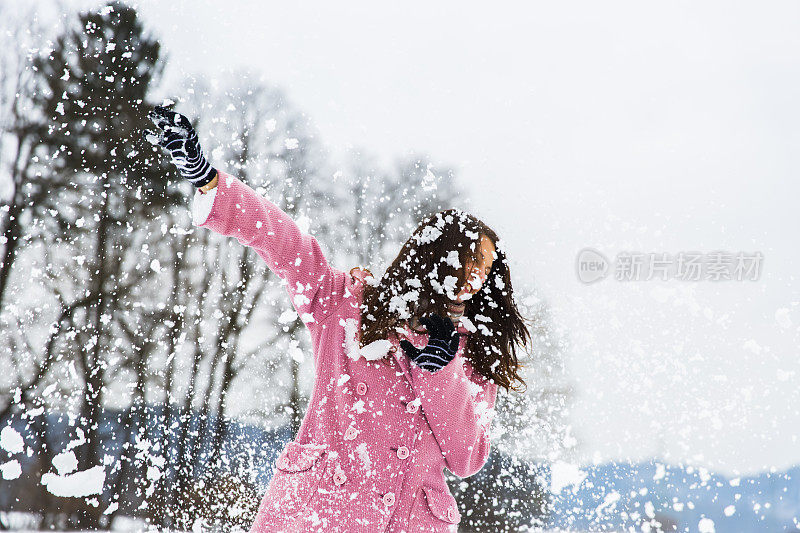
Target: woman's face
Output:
[{"x": 477, "y": 271}]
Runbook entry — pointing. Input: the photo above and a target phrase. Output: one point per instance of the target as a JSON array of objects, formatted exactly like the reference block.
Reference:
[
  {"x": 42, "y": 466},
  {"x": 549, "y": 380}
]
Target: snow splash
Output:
[
  {"x": 370, "y": 352},
  {"x": 85, "y": 483}
]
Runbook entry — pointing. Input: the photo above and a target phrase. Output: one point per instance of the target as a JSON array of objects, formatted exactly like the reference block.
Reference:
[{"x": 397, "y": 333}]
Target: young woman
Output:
[{"x": 400, "y": 392}]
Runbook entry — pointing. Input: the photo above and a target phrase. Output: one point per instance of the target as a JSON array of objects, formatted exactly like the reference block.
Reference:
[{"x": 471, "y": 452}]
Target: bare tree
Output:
[{"x": 386, "y": 205}]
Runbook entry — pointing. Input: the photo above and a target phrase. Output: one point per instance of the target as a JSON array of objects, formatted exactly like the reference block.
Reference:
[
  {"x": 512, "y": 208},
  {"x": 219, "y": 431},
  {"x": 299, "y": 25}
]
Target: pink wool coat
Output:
[{"x": 371, "y": 451}]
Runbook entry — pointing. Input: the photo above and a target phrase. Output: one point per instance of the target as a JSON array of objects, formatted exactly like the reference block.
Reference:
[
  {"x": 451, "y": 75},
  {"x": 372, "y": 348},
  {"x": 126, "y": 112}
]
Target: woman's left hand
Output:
[{"x": 442, "y": 344}]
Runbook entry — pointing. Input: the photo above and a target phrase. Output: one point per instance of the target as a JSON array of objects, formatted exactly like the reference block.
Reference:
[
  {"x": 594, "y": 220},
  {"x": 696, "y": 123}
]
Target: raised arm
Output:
[
  {"x": 235, "y": 210},
  {"x": 229, "y": 207}
]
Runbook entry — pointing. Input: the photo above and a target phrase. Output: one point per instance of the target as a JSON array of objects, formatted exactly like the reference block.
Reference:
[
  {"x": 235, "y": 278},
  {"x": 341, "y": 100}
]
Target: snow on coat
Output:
[{"x": 371, "y": 451}]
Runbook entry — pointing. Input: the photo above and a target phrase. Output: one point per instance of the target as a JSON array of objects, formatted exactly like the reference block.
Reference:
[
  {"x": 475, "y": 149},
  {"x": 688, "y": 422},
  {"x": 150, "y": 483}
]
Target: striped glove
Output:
[
  {"x": 176, "y": 134},
  {"x": 442, "y": 344}
]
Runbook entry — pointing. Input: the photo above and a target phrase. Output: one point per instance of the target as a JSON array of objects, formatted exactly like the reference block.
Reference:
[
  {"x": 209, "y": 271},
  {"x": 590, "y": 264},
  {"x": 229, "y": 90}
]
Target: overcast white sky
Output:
[{"x": 624, "y": 126}]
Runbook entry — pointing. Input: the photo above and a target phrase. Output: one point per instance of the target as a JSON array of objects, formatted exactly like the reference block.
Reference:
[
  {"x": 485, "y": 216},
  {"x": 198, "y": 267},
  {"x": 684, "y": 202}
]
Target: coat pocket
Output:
[
  {"x": 299, "y": 470},
  {"x": 442, "y": 504},
  {"x": 297, "y": 457}
]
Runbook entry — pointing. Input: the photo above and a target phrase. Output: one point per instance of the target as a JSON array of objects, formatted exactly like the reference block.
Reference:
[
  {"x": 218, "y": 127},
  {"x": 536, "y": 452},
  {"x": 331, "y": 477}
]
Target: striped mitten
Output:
[
  {"x": 176, "y": 134},
  {"x": 442, "y": 344}
]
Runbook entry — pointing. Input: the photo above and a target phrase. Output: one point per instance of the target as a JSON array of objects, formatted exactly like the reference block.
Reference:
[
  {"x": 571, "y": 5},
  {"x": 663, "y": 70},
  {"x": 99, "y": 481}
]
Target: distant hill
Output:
[{"x": 619, "y": 496}]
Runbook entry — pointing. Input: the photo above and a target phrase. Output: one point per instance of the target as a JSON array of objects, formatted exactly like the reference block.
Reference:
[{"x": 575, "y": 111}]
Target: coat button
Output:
[
  {"x": 351, "y": 433},
  {"x": 402, "y": 452},
  {"x": 361, "y": 388},
  {"x": 412, "y": 407},
  {"x": 451, "y": 514},
  {"x": 339, "y": 477},
  {"x": 388, "y": 499}
]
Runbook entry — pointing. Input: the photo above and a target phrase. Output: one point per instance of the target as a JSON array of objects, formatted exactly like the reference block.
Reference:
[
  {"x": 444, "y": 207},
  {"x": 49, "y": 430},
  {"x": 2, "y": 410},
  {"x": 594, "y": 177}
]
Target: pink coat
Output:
[{"x": 371, "y": 450}]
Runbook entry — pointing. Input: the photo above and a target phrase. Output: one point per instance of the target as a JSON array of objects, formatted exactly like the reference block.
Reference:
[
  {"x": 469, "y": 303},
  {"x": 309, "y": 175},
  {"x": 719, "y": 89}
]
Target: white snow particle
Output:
[
  {"x": 706, "y": 525},
  {"x": 304, "y": 223},
  {"x": 452, "y": 259},
  {"x": 468, "y": 325},
  {"x": 65, "y": 463},
  {"x": 730, "y": 510},
  {"x": 363, "y": 454},
  {"x": 287, "y": 317},
  {"x": 429, "y": 234},
  {"x": 11, "y": 470},
  {"x": 563, "y": 474}
]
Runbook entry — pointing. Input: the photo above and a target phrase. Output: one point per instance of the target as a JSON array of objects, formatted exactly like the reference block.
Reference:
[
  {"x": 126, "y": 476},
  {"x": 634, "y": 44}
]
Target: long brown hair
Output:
[{"x": 428, "y": 267}]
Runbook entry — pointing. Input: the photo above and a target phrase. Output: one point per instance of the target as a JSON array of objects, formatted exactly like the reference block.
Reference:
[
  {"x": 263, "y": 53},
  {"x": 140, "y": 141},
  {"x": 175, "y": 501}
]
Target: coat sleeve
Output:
[
  {"x": 233, "y": 209},
  {"x": 459, "y": 409}
]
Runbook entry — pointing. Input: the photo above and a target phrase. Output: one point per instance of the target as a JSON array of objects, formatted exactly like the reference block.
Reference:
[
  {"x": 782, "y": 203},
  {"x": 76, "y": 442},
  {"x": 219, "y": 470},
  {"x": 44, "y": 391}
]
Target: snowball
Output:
[
  {"x": 11, "y": 470},
  {"x": 376, "y": 350},
  {"x": 11, "y": 440},
  {"x": 370, "y": 352},
  {"x": 84, "y": 483}
]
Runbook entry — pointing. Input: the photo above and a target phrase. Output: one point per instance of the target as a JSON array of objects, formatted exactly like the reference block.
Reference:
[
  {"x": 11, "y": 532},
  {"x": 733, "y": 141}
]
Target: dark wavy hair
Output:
[{"x": 429, "y": 266}]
